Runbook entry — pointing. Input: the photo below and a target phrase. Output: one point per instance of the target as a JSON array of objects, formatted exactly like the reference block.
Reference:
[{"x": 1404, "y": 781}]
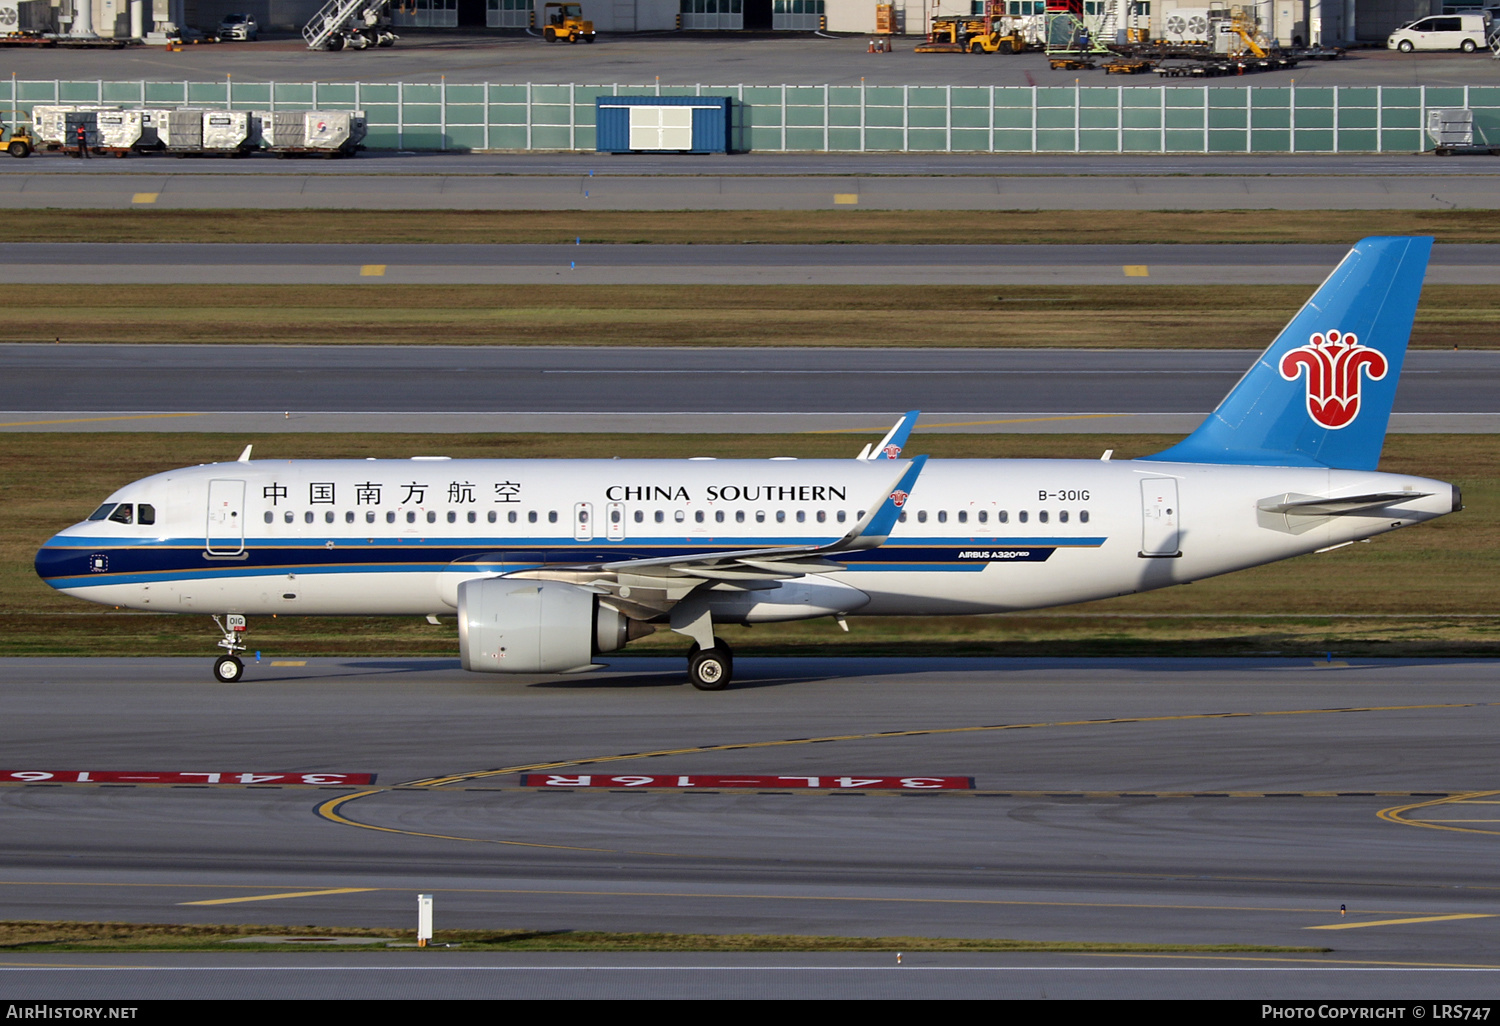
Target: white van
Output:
[{"x": 1466, "y": 32}]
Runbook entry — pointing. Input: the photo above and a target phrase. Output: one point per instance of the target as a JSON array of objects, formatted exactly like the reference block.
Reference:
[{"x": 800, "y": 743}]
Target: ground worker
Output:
[{"x": 83, "y": 141}]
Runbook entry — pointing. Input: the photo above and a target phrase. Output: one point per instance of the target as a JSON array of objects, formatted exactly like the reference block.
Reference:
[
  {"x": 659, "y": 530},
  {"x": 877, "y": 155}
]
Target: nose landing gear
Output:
[{"x": 228, "y": 668}]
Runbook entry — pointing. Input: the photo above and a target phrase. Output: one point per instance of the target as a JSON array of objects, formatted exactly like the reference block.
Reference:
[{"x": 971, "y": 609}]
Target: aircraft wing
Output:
[{"x": 644, "y": 588}]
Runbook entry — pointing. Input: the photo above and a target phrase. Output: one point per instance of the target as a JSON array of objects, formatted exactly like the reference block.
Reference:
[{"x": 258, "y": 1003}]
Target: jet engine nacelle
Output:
[{"x": 512, "y": 625}]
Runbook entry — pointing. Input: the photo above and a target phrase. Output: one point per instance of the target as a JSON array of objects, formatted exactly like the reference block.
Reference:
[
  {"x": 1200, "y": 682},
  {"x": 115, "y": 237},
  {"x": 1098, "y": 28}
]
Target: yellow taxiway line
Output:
[
  {"x": 1403, "y": 922},
  {"x": 277, "y": 897}
]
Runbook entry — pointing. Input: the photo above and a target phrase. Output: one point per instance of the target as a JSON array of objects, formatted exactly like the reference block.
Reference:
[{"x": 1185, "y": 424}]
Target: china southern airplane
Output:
[{"x": 550, "y": 563}]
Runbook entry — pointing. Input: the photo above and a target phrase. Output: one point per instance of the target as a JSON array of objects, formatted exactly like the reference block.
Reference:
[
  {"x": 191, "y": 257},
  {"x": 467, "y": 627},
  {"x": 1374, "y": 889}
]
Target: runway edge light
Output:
[{"x": 424, "y": 919}]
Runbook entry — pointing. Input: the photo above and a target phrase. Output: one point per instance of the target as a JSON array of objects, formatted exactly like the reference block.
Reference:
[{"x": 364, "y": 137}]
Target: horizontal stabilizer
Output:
[{"x": 1313, "y": 506}]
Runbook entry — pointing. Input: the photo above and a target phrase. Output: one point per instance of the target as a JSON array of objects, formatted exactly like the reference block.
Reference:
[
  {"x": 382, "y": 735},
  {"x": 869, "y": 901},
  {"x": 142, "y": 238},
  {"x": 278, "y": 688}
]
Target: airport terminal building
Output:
[{"x": 1287, "y": 21}]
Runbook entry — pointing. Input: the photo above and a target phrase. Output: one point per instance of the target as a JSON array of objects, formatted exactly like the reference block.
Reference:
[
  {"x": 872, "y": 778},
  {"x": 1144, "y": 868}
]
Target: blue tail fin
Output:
[{"x": 1321, "y": 395}]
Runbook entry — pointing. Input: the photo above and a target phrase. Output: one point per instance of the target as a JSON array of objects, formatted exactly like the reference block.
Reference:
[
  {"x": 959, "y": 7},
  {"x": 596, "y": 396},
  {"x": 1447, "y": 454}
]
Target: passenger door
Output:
[{"x": 225, "y": 533}]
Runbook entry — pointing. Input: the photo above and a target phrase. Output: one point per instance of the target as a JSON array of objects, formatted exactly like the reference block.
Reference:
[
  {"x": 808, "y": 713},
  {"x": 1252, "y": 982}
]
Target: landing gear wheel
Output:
[
  {"x": 711, "y": 669},
  {"x": 228, "y": 669}
]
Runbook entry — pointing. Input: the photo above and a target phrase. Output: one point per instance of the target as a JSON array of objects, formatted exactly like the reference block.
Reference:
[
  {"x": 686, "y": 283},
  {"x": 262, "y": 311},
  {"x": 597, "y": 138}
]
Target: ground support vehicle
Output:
[
  {"x": 16, "y": 139},
  {"x": 350, "y": 24},
  {"x": 564, "y": 23}
]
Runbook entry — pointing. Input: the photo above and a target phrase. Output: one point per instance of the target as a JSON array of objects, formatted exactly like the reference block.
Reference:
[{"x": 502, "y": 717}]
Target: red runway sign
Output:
[
  {"x": 750, "y": 781},
  {"x": 124, "y": 777}
]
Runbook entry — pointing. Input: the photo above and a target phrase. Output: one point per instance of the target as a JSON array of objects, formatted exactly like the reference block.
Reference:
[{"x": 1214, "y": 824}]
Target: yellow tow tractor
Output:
[
  {"x": 16, "y": 139},
  {"x": 1000, "y": 38},
  {"x": 565, "y": 22}
]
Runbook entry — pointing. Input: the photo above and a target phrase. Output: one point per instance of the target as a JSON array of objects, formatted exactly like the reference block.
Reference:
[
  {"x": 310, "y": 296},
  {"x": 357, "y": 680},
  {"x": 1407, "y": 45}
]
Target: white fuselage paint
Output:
[{"x": 1090, "y": 519}]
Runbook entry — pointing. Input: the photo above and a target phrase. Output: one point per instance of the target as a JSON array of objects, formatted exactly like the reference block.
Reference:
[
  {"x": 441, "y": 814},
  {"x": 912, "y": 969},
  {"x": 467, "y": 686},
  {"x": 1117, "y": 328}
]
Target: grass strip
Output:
[
  {"x": 1427, "y": 591},
  {"x": 27, "y": 936},
  {"x": 971, "y": 316},
  {"x": 808, "y": 227}
]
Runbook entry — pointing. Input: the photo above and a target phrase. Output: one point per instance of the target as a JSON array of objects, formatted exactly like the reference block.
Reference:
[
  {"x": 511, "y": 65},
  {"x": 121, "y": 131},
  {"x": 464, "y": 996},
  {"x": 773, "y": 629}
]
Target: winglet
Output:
[
  {"x": 881, "y": 518},
  {"x": 245, "y": 456},
  {"x": 895, "y": 440}
]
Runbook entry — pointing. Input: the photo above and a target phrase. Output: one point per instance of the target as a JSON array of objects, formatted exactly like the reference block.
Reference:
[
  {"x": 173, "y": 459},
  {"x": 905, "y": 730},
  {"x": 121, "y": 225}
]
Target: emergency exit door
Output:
[
  {"x": 1160, "y": 517},
  {"x": 583, "y": 521}
]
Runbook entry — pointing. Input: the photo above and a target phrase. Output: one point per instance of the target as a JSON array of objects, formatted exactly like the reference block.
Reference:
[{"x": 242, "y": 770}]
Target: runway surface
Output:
[
  {"x": 760, "y": 264},
  {"x": 1165, "y": 801},
  {"x": 167, "y": 387},
  {"x": 39, "y": 188}
]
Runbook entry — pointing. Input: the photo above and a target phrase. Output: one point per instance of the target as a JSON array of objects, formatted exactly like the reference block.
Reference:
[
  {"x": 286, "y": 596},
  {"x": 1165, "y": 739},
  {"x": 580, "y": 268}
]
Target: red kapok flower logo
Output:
[
  {"x": 1335, "y": 366},
  {"x": 899, "y": 498}
]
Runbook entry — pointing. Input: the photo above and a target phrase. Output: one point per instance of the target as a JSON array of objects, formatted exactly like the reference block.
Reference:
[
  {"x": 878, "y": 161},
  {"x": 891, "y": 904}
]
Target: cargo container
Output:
[
  {"x": 181, "y": 131},
  {"x": 152, "y": 120},
  {"x": 49, "y": 122},
  {"x": 119, "y": 131},
  {"x": 226, "y": 131}
]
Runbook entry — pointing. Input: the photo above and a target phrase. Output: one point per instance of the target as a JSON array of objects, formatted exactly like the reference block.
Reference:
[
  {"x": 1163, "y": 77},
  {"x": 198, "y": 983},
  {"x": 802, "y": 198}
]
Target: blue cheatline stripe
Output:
[{"x": 74, "y": 566}]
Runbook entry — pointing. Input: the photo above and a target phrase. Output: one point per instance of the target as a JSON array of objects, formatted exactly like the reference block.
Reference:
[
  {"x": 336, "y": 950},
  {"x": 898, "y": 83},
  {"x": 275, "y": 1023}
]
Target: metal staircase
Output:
[{"x": 340, "y": 21}]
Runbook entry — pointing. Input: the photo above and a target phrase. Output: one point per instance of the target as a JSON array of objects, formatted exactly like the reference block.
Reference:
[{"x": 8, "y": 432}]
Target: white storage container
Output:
[
  {"x": 118, "y": 129},
  {"x": 331, "y": 130},
  {"x": 225, "y": 130},
  {"x": 50, "y": 122}
]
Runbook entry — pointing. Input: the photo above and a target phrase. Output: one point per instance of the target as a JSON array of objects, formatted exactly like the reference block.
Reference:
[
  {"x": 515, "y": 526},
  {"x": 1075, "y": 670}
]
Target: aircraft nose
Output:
[{"x": 53, "y": 561}]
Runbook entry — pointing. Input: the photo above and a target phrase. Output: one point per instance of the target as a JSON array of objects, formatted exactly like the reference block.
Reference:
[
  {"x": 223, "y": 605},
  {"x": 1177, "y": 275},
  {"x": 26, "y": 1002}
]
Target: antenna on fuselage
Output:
[{"x": 245, "y": 456}]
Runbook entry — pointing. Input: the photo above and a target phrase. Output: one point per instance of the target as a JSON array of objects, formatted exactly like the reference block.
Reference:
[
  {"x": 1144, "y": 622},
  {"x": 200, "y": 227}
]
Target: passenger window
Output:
[
  {"x": 349, "y": 517},
  {"x": 531, "y": 516},
  {"x": 841, "y": 516},
  {"x": 453, "y": 517},
  {"x": 1083, "y": 516},
  {"x": 1022, "y": 516},
  {"x": 781, "y": 516},
  {"x": 903, "y": 516},
  {"x": 270, "y": 517},
  {"x": 679, "y": 516},
  {"x": 739, "y": 516},
  {"x": 1003, "y": 516},
  {"x": 124, "y": 513},
  {"x": 102, "y": 512},
  {"x": 822, "y": 517},
  {"x": 640, "y": 516},
  {"x": 491, "y": 516},
  {"x": 984, "y": 516},
  {"x": 552, "y": 516},
  {"x": 718, "y": 516},
  {"x": 432, "y": 516},
  {"x": 801, "y": 516},
  {"x": 473, "y": 516},
  {"x": 390, "y": 516},
  {"x": 661, "y": 517},
  {"x": 145, "y": 513},
  {"x": 760, "y": 516},
  {"x": 963, "y": 516},
  {"x": 289, "y": 516},
  {"x": 510, "y": 516},
  {"x": 1042, "y": 517},
  {"x": 922, "y": 516},
  {"x": 411, "y": 516},
  {"x": 307, "y": 517},
  {"x": 698, "y": 516},
  {"x": 369, "y": 516},
  {"x": 942, "y": 516},
  {"x": 1062, "y": 516},
  {"x": 614, "y": 516}
]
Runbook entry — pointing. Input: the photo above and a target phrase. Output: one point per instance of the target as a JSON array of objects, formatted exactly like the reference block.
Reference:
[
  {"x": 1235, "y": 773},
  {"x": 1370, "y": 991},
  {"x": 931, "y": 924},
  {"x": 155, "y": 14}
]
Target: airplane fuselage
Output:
[{"x": 397, "y": 537}]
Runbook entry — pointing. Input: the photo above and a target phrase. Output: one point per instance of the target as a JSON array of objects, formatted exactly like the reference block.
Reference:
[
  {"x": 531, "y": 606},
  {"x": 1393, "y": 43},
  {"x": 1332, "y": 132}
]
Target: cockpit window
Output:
[
  {"x": 102, "y": 512},
  {"x": 124, "y": 513},
  {"x": 145, "y": 513}
]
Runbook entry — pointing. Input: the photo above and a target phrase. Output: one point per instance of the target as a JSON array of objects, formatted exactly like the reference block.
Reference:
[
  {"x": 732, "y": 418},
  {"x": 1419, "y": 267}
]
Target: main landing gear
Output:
[
  {"x": 228, "y": 668},
  {"x": 711, "y": 669}
]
